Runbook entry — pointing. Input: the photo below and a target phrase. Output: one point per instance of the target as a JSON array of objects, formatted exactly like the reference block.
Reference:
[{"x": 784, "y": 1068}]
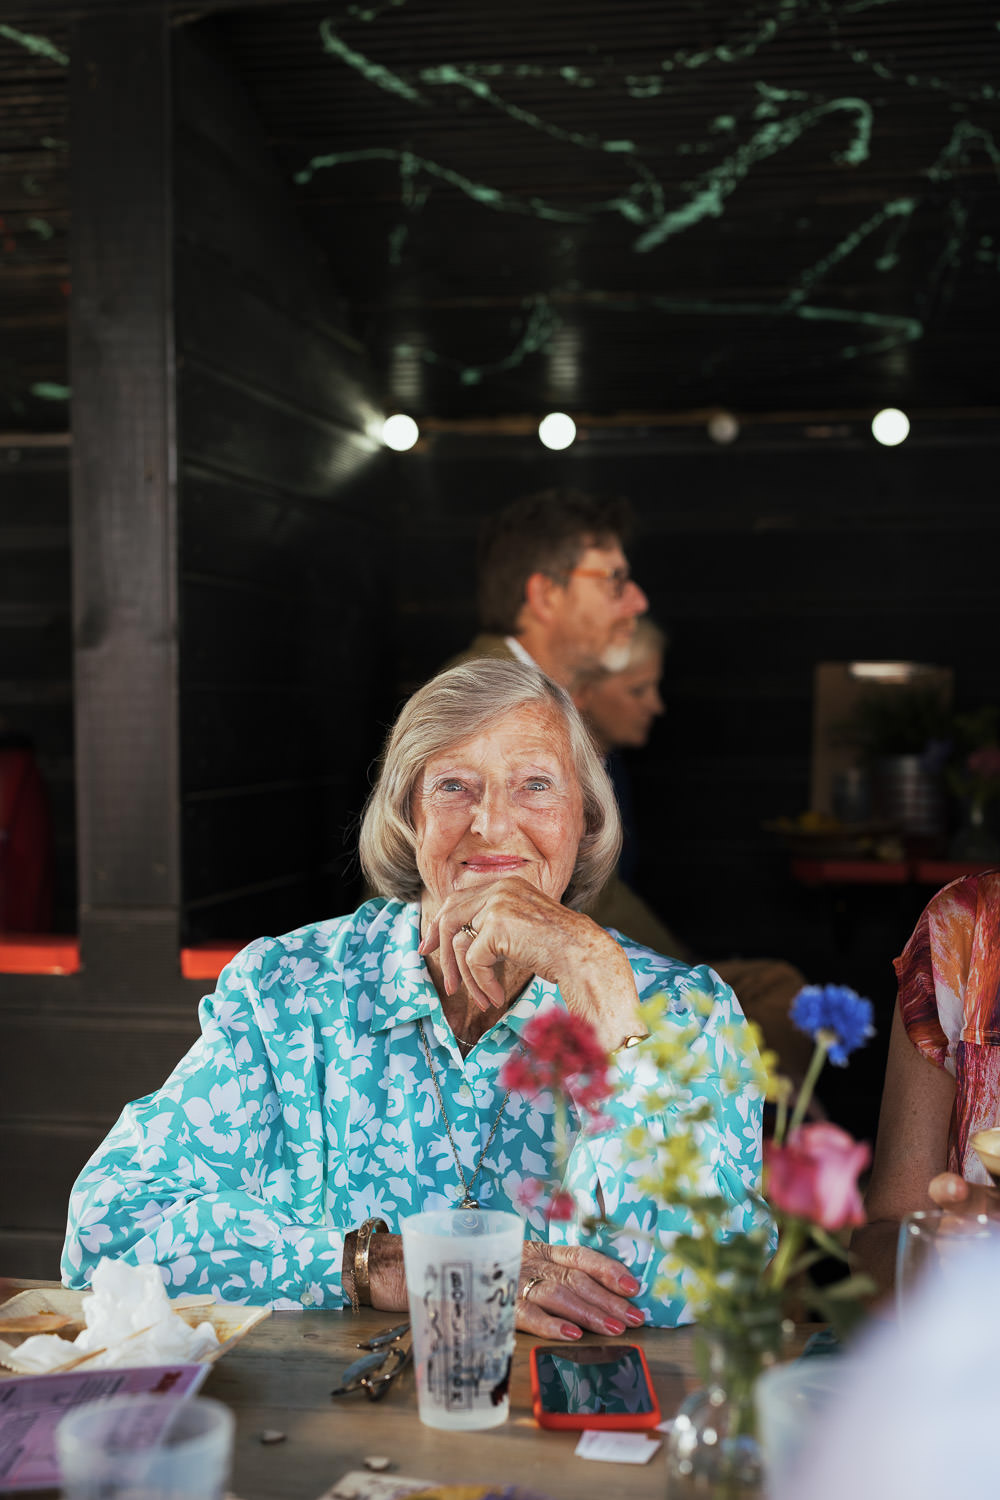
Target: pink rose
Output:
[{"x": 814, "y": 1176}]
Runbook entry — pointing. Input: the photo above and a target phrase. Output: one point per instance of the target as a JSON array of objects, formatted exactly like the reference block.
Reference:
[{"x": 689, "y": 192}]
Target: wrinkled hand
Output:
[
  {"x": 516, "y": 924},
  {"x": 564, "y": 1289},
  {"x": 948, "y": 1190}
]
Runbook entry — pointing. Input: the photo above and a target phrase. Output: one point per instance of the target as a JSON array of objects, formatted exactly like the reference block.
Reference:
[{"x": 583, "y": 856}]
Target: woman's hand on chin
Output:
[
  {"x": 565, "y": 1290},
  {"x": 516, "y": 925}
]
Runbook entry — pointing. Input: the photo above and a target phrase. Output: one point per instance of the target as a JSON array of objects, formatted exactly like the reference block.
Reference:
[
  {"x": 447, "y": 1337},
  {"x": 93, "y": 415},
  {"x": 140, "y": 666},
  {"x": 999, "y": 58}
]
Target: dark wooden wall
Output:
[
  {"x": 285, "y": 544},
  {"x": 761, "y": 559},
  {"x": 283, "y": 537},
  {"x": 36, "y": 638}
]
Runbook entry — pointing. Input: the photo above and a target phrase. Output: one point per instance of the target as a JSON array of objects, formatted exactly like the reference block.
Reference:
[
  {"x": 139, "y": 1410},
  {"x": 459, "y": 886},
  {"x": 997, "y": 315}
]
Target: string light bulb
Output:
[
  {"x": 723, "y": 427},
  {"x": 400, "y": 432},
  {"x": 890, "y": 427},
  {"x": 557, "y": 430}
]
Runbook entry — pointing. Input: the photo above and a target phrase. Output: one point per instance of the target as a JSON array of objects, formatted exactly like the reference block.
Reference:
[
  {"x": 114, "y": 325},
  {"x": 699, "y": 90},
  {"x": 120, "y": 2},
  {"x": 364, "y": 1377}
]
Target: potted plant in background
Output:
[
  {"x": 974, "y": 777},
  {"x": 904, "y": 735}
]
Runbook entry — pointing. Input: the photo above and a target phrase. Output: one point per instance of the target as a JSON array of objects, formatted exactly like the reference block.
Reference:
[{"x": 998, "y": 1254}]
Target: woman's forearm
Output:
[
  {"x": 597, "y": 983},
  {"x": 873, "y": 1252}
]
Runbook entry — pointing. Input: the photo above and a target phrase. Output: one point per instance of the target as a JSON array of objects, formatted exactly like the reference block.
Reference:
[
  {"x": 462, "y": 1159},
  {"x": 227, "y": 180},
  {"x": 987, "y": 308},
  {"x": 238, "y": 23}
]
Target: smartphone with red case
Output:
[{"x": 592, "y": 1385}]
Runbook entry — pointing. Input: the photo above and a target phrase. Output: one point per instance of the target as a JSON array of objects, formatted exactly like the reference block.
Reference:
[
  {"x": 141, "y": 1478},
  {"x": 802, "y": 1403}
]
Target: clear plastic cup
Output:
[
  {"x": 146, "y": 1448},
  {"x": 462, "y": 1270},
  {"x": 937, "y": 1241}
]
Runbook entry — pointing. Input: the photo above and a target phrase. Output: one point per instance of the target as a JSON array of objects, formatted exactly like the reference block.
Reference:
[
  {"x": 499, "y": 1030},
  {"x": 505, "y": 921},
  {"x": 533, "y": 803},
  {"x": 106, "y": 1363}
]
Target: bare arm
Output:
[{"x": 911, "y": 1148}]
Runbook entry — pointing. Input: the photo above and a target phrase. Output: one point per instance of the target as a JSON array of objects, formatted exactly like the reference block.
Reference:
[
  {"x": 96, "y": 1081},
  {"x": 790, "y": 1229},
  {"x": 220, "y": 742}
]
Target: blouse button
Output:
[{"x": 307, "y": 1299}]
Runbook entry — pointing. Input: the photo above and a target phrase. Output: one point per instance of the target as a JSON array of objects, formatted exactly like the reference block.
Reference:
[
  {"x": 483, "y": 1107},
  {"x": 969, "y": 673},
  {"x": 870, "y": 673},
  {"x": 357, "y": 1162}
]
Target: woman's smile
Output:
[{"x": 494, "y": 864}]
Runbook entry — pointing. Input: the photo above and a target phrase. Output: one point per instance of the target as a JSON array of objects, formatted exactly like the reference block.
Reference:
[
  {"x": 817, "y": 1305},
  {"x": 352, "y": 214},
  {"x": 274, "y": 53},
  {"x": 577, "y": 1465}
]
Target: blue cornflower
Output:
[{"x": 834, "y": 1007}]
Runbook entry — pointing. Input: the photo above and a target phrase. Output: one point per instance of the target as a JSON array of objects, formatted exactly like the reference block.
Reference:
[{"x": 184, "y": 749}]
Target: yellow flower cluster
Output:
[{"x": 682, "y": 1174}]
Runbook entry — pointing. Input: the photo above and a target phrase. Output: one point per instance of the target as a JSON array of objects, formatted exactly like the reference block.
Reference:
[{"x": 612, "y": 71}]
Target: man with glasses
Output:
[{"x": 554, "y": 585}]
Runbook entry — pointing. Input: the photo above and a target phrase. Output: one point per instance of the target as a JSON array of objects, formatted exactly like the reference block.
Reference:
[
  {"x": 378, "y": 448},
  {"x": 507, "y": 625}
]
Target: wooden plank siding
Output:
[
  {"x": 36, "y": 638},
  {"x": 283, "y": 613},
  {"x": 218, "y": 788},
  {"x": 71, "y": 1043}
]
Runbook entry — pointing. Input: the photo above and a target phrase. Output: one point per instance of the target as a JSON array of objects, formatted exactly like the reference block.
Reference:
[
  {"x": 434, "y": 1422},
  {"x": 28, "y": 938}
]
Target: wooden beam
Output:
[
  {"x": 34, "y": 440},
  {"x": 123, "y": 477},
  {"x": 516, "y": 424}
]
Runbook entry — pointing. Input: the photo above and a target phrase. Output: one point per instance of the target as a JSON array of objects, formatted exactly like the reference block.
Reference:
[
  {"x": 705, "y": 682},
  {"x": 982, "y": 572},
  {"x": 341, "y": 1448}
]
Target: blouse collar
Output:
[{"x": 404, "y": 990}]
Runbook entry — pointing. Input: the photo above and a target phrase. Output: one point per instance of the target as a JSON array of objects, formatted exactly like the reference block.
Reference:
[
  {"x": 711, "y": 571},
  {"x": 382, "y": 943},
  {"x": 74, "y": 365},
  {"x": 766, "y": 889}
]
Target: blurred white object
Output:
[
  {"x": 917, "y": 1407},
  {"x": 129, "y": 1317},
  {"x": 790, "y": 1399},
  {"x": 146, "y": 1448}
]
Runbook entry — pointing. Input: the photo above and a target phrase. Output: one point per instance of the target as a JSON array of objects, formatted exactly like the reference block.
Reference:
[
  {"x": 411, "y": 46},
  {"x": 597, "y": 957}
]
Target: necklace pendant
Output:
[{"x": 469, "y": 1202}]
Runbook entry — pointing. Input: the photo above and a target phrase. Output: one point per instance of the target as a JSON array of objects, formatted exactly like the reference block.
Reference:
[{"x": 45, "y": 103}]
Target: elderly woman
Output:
[{"x": 347, "y": 1073}]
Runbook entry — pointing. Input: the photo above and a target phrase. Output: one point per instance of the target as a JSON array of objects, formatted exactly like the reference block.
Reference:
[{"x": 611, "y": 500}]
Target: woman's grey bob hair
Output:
[{"x": 456, "y": 706}]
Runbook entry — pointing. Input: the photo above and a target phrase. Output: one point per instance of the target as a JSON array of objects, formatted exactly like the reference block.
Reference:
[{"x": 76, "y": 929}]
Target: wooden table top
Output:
[{"x": 279, "y": 1378}]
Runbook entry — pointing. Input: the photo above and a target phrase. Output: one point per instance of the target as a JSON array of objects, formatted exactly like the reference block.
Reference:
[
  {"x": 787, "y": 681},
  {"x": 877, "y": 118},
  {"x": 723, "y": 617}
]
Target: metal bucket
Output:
[{"x": 909, "y": 796}]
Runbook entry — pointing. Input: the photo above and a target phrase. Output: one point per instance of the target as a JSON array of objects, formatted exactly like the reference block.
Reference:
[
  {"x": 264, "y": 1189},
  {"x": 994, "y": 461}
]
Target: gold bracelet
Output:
[
  {"x": 362, "y": 1245},
  {"x": 629, "y": 1043},
  {"x": 347, "y": 1282}
]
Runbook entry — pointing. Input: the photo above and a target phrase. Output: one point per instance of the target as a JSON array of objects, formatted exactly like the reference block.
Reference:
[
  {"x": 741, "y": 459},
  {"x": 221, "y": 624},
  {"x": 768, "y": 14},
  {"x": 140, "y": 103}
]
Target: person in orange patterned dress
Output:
[{"x": 942, "y": 1080}]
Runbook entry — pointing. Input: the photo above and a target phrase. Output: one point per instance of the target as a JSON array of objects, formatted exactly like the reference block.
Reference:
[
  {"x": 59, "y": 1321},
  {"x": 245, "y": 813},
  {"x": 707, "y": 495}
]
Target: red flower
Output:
[
  {"x": 562, "y": 1205},
  {"x": 814, "y": 1176},
  {"x": 561, "y": 1053}
]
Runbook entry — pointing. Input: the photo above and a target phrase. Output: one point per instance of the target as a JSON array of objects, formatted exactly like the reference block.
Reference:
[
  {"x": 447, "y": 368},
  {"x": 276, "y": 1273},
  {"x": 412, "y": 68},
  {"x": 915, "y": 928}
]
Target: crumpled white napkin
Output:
[{"x": 129, "y": 1316}]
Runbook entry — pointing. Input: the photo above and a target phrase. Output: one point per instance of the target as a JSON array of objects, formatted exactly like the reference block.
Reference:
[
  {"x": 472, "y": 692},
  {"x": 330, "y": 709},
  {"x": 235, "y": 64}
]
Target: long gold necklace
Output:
[{"x": 468, "y": 1201}]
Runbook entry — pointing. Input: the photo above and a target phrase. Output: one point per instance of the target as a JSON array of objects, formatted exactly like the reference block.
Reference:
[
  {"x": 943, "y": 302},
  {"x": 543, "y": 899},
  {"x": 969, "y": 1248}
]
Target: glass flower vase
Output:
[{"x": 713, "y": 1450}]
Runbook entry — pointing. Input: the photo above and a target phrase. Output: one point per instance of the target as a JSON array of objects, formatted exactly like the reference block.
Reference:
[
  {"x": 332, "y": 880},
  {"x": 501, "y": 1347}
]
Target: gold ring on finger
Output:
[
  {"x": 468, "y": 927},
  {"x": 533, "y": 1281}
]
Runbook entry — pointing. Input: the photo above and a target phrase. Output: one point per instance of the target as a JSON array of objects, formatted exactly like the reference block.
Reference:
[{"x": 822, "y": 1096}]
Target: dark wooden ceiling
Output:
[
  {"x": 630, "y": 206},
  {"x": 614, "y": 205}
]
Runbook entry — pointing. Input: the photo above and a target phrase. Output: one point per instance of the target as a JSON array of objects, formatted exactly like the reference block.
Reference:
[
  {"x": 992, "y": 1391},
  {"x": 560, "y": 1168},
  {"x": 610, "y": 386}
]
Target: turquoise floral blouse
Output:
[{"x": 306, "y": 1106}]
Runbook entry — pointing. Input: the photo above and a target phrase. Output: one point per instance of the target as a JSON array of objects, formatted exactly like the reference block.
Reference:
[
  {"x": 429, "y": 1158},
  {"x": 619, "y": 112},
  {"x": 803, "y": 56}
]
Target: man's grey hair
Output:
[{"x": 454, "y": 707}]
